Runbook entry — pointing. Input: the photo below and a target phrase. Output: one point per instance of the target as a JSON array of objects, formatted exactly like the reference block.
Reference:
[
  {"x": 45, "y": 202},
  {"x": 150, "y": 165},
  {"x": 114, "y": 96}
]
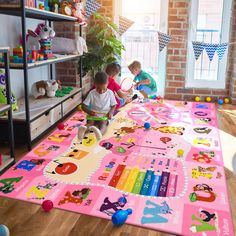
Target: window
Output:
[
  {"x": 141, "y": 40},
  {"x": 210, "y": 23}
]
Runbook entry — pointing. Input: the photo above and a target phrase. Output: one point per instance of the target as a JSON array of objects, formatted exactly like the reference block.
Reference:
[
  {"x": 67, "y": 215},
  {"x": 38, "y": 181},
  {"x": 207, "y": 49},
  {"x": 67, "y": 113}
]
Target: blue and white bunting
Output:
[
  {"x": 91, "y": 7},
  {"x": 164, "y": 39},
  {"x": 198, "y": 48},
  {"x": 221, "y": 50},
  {"x": 210, "y": 49}
]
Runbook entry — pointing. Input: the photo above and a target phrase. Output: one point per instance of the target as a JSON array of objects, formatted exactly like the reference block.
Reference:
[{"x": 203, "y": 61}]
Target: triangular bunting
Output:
[
  {"x": 91, "y": 7},
  {"x": 197, "y": 48},
  {"x": 210, "y": 49},
  {"x": 164, "y": 39},
  {"x": 124, "y": 24},
  {"x": 221, "y": 50}
]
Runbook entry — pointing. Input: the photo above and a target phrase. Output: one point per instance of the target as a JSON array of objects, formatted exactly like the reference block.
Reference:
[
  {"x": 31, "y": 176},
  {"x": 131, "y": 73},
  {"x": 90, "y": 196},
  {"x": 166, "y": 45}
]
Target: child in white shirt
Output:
[{"x": 100, "y": 102}]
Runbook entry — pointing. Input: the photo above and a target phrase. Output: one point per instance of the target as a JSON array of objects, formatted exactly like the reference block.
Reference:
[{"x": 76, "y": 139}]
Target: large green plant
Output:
[{"x": 104, "y": 45}]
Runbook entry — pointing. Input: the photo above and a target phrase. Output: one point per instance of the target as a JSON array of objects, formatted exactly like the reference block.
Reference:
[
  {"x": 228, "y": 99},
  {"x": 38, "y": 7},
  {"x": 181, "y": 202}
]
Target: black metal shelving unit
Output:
[
  {"x": 25, "y": 12},
  {"x": 7, "y": 161}
]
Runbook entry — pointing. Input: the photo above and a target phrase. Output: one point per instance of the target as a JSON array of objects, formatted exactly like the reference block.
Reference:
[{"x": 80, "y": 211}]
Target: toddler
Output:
[
  {"x": 145, "y": 84},
  {"x": 100, "y": 102},
  {"x": 113, "y": 71}
]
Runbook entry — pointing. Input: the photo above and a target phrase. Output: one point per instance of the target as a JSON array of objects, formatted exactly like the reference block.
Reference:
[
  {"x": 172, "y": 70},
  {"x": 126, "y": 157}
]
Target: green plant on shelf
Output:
[{"x": 104, "y": 44}]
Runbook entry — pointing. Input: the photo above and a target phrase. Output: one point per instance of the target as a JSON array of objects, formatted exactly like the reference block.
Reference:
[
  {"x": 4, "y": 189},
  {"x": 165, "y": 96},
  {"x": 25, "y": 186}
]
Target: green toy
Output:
[
  {"x": 3, "y": 95},
  {"x": 63, "y": 91}
]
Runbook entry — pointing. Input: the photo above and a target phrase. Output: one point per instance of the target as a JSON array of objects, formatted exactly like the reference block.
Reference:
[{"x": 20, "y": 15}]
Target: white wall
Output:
[{"x": 10, "y": 31}]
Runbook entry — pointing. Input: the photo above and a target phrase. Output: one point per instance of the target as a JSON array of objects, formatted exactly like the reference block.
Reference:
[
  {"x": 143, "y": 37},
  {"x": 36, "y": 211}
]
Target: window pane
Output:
[
  {"x": 141, "y": 40},
  {"x": 208, "y": 30}
]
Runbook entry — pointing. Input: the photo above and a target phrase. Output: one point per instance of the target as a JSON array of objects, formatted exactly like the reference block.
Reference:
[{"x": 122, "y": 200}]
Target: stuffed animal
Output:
[
  {"x": 69, "y": 46},
  {"x": 78, "y": 12},
  {"x": 42, "y": 32},
  {"x": 44, "y": 88}
]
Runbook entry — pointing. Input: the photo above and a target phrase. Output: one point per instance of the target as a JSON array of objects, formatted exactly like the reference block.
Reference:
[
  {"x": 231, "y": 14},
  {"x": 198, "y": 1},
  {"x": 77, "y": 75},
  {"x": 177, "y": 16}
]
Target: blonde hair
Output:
[{"x": 135, "y": 65}]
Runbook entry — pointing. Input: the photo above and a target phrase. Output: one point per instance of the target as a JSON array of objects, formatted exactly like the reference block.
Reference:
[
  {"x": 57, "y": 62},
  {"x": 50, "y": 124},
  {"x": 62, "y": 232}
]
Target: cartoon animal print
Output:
[
  {"x": 110, "y": 208},
  {"x": 196, "y": 195},
  {"x": 204, "y": 156},
  {"x": 171, "y": 130},
  {"x": 165, "y": 209},
  {"x": 58, "y": 137},
  {"x": 76, "y": 197},
  {"x": 202, "y": 130},
  {"x": 204, "y": 222}
]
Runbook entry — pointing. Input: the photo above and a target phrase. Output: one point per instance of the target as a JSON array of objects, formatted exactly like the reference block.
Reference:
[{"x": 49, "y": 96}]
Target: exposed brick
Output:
[
  {"x": 173, "y": 96},
  {"x": 202, "y": 91},
  {"x": 175, "y": 84}
]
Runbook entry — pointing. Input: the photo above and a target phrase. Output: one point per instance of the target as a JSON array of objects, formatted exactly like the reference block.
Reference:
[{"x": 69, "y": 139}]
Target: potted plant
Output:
[{"x": 104, "y": 44}]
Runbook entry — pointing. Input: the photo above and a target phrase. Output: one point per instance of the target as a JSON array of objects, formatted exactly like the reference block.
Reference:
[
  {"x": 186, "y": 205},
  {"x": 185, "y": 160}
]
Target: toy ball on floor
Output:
[
  {"x": 197, "y": 99},
  {"x": 208, "y": 99},
  {"x": 180, "y": 152},
  {"x": 147, "y": 125},
  {"x": 220, "y": 101},
  {"x": 60, "y": 126},
  {"x": 158, "y": 98},
  {"x": 120, "y": 217},
  {"x": 226, "y": 100},
  {"x": 4, "y": 231},
  {"x": 47, "y": 205}
]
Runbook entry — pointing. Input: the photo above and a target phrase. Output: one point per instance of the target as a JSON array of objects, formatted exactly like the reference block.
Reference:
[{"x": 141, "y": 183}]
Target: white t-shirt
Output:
[{"x": 100, "y": 102}]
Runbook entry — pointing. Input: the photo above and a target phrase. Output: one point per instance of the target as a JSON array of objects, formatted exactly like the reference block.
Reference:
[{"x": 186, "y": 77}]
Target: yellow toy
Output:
[
  {"x": 197, "y": 99},
  {"x": 180, "y": 152},
  {"x": 208, "y": 99},
  {"x": 226, "y": 100}
]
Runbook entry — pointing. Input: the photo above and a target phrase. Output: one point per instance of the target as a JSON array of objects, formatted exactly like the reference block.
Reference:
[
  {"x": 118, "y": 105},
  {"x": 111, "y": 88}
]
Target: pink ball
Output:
[
  {"x": 47, "y": 205},
  {"x": 60, "y": 126}
]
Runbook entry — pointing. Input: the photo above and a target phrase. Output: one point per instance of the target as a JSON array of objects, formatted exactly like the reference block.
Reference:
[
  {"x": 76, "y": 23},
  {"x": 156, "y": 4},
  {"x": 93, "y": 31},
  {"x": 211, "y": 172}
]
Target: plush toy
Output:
[
  {"x": 3, "y": 93},
  {"x": 42, "y": 32},
  {"x": 69, "y": 46},
  {"x": 78, "y": 12},
  {"x": 44, "y": 88}
]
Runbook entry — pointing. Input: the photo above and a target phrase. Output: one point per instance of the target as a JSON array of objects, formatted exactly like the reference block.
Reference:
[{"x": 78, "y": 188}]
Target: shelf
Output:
[
  {"x": 4, "y": 49},
  {"x": 39, "y": 106},
  {"x": 60, "y": 58},
  {"x": 35, "y": 13},
  {"x": 6, "y": 162},
  {"x": 4, "y": 108}
]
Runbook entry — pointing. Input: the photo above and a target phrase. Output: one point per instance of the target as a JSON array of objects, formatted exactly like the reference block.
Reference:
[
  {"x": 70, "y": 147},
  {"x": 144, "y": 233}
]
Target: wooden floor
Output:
[{"x": 26, "y": 219}]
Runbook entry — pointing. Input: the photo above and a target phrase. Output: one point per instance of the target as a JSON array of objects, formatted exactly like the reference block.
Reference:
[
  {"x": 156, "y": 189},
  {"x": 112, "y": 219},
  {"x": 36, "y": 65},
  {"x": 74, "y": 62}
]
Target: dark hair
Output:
[
  {"x": 101, "y": 78},
  {"x": 113, "y": 69}
]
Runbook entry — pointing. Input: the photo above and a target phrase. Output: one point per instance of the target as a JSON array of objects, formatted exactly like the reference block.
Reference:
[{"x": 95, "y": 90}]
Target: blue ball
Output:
[
  {"x": 4, "y": 231},
  {"x": 147, "y": 125},
  {"x": 220, "y": 101}
]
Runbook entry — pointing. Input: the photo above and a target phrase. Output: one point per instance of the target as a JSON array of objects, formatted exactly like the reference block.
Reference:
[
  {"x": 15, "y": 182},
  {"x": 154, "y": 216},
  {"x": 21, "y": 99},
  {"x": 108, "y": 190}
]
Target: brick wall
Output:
[
  {"x": 231, "y": 57},
  {"x": 68, "y": 72},
  {"x": 178, "y": 18}
]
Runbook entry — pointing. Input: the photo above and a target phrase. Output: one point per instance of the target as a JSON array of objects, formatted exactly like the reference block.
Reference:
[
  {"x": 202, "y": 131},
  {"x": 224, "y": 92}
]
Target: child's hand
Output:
[
  {"x": 110, "y": 115},
  {"x": 93, "y": 113},
  {"x": 128, "y": 100}
]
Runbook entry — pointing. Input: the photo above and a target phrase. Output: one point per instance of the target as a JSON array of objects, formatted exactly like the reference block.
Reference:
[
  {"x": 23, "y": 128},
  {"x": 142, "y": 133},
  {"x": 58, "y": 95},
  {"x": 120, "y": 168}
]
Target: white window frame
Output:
[{"x": 224, "y": 37}]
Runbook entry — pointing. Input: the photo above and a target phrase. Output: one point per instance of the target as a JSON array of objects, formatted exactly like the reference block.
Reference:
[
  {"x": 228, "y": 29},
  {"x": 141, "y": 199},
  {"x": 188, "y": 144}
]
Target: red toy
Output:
[
  {"x": 47, "y": 205},
  {"x": 158, "y": 98},
  {"x": 60, "y": 126}
]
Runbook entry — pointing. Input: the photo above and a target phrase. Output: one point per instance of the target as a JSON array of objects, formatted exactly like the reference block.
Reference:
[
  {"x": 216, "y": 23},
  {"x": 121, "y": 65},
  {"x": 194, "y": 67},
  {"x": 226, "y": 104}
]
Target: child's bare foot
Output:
[
  {"x": 97, "y": 132},
  {"x": 81, "y": 131}
]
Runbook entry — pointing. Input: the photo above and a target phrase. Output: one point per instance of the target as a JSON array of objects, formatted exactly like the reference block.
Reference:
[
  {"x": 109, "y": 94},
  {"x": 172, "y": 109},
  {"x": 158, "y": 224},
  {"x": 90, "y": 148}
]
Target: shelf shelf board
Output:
[
  {"x": 60, "y": 58},
  {"x": 4, "y": 49},
  {"x": 4, "y": 108},
  {"x": 6, "y": 162},
  {"x": 38, "y": 107},
  {"x": 35, "y": 13}
]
